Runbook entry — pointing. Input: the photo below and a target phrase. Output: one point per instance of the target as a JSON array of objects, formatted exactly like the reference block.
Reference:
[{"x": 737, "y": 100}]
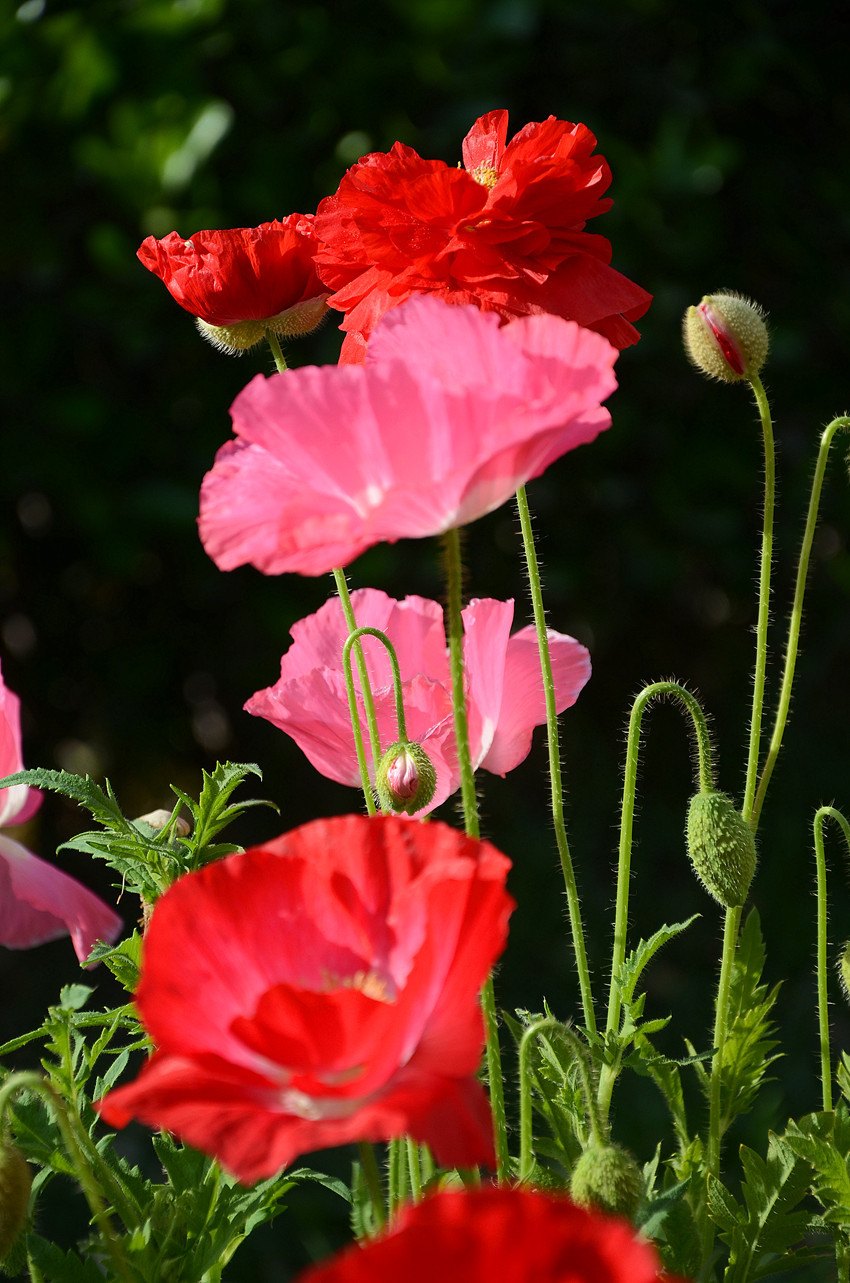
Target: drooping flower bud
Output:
[
  {"x": 15, "y": 1184},
  {"x": 607, "y": 1177},
  {"x": 721, "y": 847},
  {"x": 726, "y": 337},
  {"x": 406, "y": 778}
]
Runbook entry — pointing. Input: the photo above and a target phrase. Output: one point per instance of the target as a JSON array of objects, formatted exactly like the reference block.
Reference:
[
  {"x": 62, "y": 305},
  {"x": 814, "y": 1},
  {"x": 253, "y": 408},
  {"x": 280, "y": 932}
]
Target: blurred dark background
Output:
[{"x": 726, "y": 128}]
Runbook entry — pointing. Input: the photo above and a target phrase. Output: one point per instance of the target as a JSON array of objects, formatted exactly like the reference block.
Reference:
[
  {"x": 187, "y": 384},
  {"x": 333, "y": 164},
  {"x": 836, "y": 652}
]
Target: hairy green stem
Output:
[
  {"x": 454, "y": 595},
  {"x": 825, "y": 813},
  {"x": 277, "y": 353},
  {"x": 795, "y": 621},
  {"x": 556, "y": 786},
  {"x": 31, "y": 1081},
  {"x": 754, "y": 750},
  {"x": 369, "y": 1163}
]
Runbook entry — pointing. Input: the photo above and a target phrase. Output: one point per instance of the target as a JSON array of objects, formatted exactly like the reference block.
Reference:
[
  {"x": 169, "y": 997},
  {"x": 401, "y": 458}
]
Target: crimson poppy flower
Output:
[
  {"x": 38, "y": 902},
  {"x": 244, "y": 281},
  {"x": 478, "y": 1235},
  {"x": 504, "y": 687},
  {"x": 448, "y": 416},
  {"x": 322, "y": 989},
  {"x": 506, "y": 232}
]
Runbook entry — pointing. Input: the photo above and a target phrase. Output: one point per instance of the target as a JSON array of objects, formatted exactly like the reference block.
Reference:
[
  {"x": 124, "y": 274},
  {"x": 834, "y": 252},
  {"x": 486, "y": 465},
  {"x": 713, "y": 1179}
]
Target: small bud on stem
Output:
[{"x": 726, "y": 337}]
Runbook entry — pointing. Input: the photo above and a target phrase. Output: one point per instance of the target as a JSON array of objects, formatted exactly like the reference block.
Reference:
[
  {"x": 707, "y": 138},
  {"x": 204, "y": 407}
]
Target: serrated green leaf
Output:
[
  {"x": 630, "y": 972},
  {"x": 747, "y": 1050},
  {"x": 722, "y": 1207},
  {"x": 82, "y": 789},
  {"x": 772, "y": 1190},
  {"x": 59, "y": 1266},
  {"x": 74, "y": 997},
  {"x": 823, "y": 1140}
]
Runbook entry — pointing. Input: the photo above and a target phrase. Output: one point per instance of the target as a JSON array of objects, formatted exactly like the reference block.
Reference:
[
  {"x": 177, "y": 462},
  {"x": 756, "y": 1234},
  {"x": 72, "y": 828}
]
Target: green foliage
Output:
[
  {"x": 761, "y": 1230},
  {"x": 747, "y": 1052},
  {"x": 150, "y": 858}
]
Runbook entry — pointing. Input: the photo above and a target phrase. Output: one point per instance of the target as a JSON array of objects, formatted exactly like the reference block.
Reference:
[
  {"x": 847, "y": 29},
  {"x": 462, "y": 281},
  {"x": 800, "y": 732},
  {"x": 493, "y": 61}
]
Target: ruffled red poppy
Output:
[
  {"x": 506, "y": 232},
  {"x": 243, "y": 281},
  {"x": 323, "y": 989},
  {"x": 479, "y": 1235}
]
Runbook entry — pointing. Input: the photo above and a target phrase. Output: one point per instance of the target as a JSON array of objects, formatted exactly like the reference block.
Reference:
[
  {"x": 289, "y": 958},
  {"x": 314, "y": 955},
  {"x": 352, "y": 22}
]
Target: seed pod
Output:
[
  {"x": 607, "y": 1177},
  {"x": 406, "y": 779},
  {"x": 15, "y": 1185},
  {"x": 721, "y": 847}
]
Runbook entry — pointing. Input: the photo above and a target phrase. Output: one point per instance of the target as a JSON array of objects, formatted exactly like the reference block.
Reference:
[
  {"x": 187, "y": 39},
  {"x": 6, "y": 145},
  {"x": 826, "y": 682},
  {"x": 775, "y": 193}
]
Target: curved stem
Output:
[
  {"x": 754, "y": 750},
  {"x": 825, "y": 813},
  {"x": 390, "y": 649},
  {"x": 454, "y": 594},
  {"x": 705, "y": 766},
  {"x": 556, "y": 786},
  {"x": 31, "y": 1081},
  {"x": 580, "y": 1053},
  {"x": 368, "y": 701},
  {"x": 792, "y": 645}
]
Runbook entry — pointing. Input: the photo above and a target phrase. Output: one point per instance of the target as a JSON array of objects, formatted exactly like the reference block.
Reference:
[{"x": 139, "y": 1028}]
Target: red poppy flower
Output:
[
  {"x": 322, "y": 989},
  {"x": 244, "y": 281},
  {"x": 506, "y": 232},
  {"x": 479, "y": 1235}
]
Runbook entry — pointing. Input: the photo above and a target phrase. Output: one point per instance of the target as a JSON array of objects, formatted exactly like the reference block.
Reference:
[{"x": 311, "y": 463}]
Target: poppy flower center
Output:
[{"x": 486, "y": 175}]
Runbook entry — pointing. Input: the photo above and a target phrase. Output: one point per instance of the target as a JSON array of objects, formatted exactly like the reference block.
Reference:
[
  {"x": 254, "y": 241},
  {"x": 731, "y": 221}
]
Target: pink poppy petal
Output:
[
  {"x": 38, "y": 902},
  {"x": 523, "y": 702},
  {"x": 487, "y": 627}
]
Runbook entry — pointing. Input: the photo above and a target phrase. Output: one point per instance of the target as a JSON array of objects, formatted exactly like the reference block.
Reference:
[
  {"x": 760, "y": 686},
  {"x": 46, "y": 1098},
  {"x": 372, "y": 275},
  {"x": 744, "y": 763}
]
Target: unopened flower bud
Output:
[
  {"x": 15, "y": 1184},
  {"x": 726, "y": 337},
  {"x": 406, "y": 778},
  {"x": 721, "y": 847},
  {"x": 607, "y": 1177}
]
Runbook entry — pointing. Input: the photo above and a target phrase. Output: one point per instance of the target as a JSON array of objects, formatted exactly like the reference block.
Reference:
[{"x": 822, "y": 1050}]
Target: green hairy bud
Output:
[
  {"x": 406, "y": 778},
  {"x": 608, "y": 1178},
  {"x": 726, "y": 337},
  {"x": 844, "y": 970},
  {"x": 721, "y": 847},
  {"x": 15, "y": 1184}
]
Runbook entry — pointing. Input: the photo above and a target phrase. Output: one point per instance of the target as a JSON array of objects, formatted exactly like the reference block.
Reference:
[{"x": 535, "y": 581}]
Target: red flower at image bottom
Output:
[
  {"x": 491, "y": 1234},
  {"x": 323, "y": 989},
  {"x": 506, "y": 232}
]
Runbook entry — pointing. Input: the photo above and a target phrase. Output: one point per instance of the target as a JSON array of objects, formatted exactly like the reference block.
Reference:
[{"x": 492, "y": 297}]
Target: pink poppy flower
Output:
[
  {"x": 504, "y": 685},
  {"x": 322, "y": 989},
  {"x": 449, "y": 415},
  {"x": 38, "y": 902},
  {"x": 478, "y": 1235}
]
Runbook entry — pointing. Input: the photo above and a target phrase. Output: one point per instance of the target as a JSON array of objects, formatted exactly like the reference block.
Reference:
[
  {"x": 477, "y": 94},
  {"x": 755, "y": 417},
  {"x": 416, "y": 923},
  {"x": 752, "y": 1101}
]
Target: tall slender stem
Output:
[
  {"x": 580, "y": 1053},
  {"x": 372, "y": 1176},
  {"x": 556, "y": 786},
  {"x": 454, "y": 595},
  {"x": 796, "y": 618},
  {"x": 825, "y": 813},
  {"x": 754, "y": 750}
]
